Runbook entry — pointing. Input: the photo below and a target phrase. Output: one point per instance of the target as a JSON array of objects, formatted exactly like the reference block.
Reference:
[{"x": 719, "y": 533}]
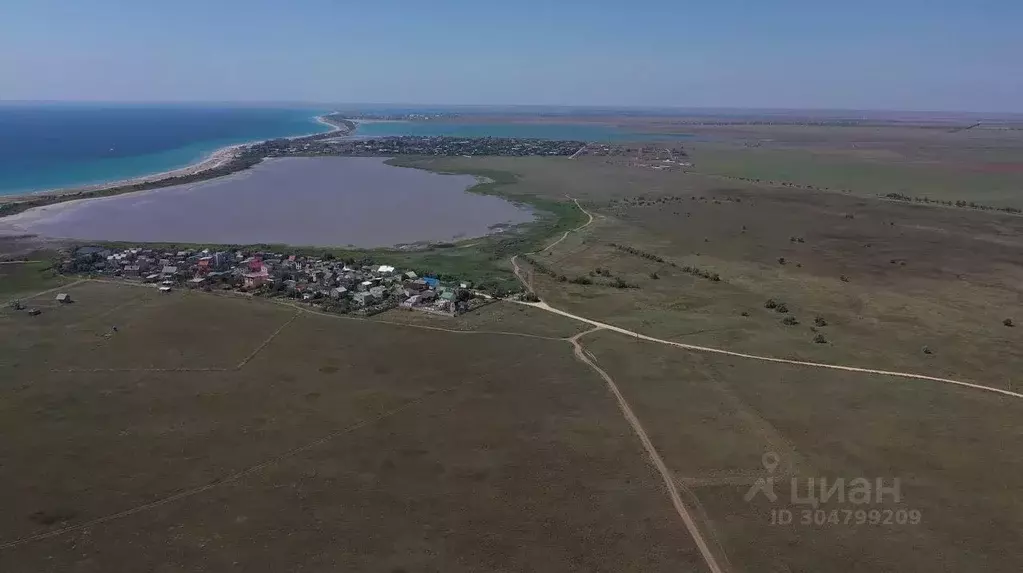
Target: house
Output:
[
  {"x": 431, "y": 282},
  {"x": 152, "y": 278},
  {"x": 338, "y": 292},
  {"x": 64, "y": 298},
  {"x": 197, "y": 282},
  {"x": 385, "y": 269},
  {"x": 411, "y": 275},
  {"x": 255, "y": 280},
  {"x": 377, "y": 292},
  {"x": 165, "y": 289},
  {"x": 169, "y": 271},
  {"x": 364, "y": 298},
  {"x": 132, "y": 270},
  {"x": 411, "y": 301},
  {"x": 448, "y": 295},
  {"x": 427, "y": 296}
]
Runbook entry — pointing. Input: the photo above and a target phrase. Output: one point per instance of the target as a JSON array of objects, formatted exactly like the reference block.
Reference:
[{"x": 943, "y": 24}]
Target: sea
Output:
[
  {"x": 53, "y": 146},
  {"x": 58, "y": 146}
]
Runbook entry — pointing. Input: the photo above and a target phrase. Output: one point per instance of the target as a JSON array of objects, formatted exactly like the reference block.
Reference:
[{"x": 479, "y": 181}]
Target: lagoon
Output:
[
  {"x": 591, "y": 132},
  {"x": 323, "y": 201}
]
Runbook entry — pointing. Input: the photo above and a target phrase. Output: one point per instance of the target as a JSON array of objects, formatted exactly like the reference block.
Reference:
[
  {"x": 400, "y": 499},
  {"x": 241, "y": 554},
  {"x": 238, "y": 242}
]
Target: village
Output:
[
  {"x": 333, "y": 145},
  {"x": 332, "y": 284}
]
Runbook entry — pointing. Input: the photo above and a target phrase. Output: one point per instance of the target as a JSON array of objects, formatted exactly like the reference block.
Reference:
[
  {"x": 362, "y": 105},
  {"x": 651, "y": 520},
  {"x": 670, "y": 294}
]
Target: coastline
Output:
[{"x": 217, "y": 159}]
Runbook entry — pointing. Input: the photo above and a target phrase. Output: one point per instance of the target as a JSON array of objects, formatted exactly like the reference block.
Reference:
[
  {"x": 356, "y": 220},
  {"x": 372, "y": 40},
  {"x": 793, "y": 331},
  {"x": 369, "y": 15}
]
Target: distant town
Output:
[{"x": 334, "y": 285}]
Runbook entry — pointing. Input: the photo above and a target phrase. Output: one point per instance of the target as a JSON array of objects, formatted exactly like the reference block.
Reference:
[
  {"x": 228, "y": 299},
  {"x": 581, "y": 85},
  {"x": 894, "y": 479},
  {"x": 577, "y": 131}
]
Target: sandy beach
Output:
[{"x": 214, "y": 160}]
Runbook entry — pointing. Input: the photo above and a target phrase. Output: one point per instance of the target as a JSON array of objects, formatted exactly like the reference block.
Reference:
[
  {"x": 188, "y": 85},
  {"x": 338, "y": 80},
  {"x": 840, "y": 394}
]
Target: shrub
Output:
[
  {"x": 789, "y": 321},
  {"x": 744, "y": 313},
  {"x": 782, "y": 308},
  {"x": 770, "y": 303},
  {"x": 843, "y": 278},
  {"x": 582, "y": 280},
  {"x": 781, "y": 260},
  {"x": 927, "y": 350},
  {"x": 819, "y": 339},
  {"x": 819, "y": 321},
  {"x": 1008, "y": 322},
  {"x": 654, "y": 275}
]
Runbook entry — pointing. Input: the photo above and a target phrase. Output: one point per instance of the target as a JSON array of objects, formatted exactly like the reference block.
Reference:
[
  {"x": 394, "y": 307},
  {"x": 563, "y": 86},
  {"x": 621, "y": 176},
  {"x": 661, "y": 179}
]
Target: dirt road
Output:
[{"x": 544, "y": 306}]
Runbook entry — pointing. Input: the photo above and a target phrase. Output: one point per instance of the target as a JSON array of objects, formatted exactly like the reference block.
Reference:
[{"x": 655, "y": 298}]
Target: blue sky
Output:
[{"x": 870, "y": 54}]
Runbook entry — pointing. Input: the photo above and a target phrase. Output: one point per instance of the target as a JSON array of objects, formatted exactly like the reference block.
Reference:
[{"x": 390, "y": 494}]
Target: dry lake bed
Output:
[{"x": 323, "y": 201}]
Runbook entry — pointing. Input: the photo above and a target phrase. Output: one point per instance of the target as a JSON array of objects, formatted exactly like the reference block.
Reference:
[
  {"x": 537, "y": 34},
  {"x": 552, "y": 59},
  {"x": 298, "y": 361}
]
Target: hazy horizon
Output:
[
  {"x": 911, "y": 55},
  {"x": 679, "y": 110}
]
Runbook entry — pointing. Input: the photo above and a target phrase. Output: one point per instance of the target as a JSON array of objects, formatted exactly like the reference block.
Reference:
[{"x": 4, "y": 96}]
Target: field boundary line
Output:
[
  {"x": 49, "y": 290},
  {"x": 419, "y": 326},
  {"x": 666, "y": 475},
  {"x": 544, "y": 306},
  {"x": 266, "y": 342},
  {"x": 87, "y": 370},
  {"x": 235, "y": 476}
]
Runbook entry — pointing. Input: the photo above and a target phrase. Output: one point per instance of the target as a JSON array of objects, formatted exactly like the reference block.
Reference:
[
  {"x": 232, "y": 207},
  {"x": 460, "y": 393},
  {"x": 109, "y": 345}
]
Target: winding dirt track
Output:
[{"x": 544, "y": 306}]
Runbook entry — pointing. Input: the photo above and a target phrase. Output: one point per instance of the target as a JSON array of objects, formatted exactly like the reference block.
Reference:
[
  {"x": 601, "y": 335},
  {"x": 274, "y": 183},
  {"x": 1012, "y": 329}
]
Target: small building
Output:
[
  {"x": 411, "y": 275},
  {"x": 64, "y": 297},
  {"x": 364, "y": 298},
  {"x": 385, "y": 269}
]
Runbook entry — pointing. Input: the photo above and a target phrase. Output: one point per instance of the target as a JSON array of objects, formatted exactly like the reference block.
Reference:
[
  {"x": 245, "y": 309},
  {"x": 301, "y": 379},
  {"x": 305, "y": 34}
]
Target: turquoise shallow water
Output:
[
  {"x": 571, "y": 131},
  {"x": 57, "y": 146}
]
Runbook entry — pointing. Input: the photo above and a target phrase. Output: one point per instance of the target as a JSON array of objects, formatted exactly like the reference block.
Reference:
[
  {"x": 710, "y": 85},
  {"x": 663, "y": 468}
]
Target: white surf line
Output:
[{"x": 662, "y": 468}]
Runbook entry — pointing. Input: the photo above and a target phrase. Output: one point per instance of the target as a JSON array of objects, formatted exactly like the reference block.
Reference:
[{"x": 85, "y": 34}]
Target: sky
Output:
[{"x": 963, "y": 55}]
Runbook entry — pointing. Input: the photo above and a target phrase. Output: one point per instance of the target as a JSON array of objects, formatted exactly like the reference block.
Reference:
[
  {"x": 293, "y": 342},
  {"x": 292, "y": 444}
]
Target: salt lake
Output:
[{"x": 324, "y": 201}]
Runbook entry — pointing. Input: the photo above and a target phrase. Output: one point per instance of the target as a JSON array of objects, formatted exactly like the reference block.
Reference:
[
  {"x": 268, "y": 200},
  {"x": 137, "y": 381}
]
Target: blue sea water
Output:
[
  {"x": 571, "y": 131},
  {"x": 49, "y": 146}
]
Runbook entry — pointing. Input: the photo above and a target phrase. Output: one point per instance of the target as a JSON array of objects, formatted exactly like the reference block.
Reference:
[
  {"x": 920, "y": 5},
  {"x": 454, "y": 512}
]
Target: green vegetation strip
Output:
[{"x": 483, "y": 261}]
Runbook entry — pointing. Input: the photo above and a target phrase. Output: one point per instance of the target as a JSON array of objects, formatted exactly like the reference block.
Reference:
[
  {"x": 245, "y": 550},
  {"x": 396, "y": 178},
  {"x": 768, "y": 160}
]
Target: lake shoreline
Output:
[{"x": 422, "y": 208}]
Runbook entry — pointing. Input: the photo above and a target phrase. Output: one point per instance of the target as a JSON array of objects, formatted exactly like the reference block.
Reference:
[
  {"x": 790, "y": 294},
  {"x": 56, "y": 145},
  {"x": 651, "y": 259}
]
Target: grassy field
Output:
[
  {"x": 897, "y": 286},
  {"x": 218, "y": 433},
  {"x": 955, "y": 453},
  {"x": 292, "y": 439},
  {"x": 984, "y": 166},
  {"x": 27, "y": 277}
]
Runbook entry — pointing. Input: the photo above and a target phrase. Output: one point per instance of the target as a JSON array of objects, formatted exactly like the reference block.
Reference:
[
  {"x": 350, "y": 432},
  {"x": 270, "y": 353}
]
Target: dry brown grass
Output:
[
  {"x": 955, "y": 451},
  {"x": 341, "y": 445}
]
